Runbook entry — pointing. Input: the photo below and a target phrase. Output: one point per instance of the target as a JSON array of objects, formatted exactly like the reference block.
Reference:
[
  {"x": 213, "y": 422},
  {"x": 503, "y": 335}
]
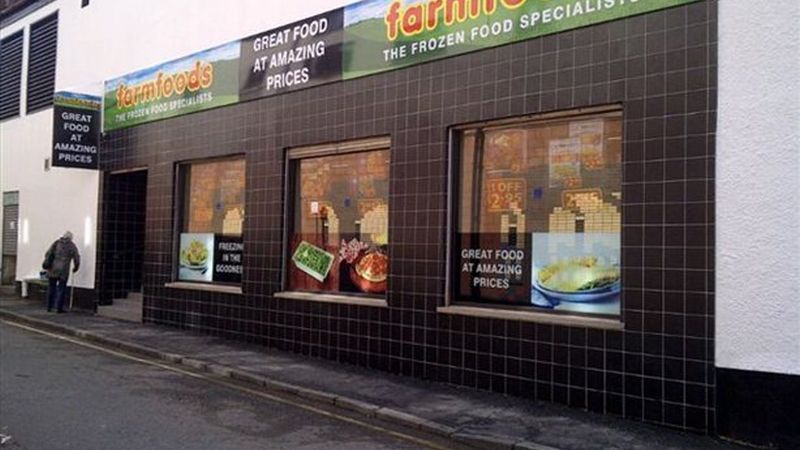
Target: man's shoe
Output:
[
  {"x": 61, "y": 311},
  {"x": 49, "y": 309}
]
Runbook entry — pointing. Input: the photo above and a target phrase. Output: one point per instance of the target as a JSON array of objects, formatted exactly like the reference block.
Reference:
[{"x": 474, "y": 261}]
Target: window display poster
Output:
[
  {"x": 494, "y": 268},
  {"x": 313, "y": 260},
  {"x": 590, "y": 132},
  {"x": 505, "y": 194},
  {"x": 228, "y": 253},
  {"x": 565, "y": 163},
  {"x": 355, "y": 267},
  {"x": 196, "y": 257},
  {"x": 563, "y": 272}
]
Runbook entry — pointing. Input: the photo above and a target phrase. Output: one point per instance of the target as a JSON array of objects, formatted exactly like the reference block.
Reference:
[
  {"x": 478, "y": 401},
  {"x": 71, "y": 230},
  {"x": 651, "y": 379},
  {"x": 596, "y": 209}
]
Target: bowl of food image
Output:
[
  {"x": 370, "y": 271},
  {"x": 582, "y": 279},
  {"x": 195, "y": 256}
]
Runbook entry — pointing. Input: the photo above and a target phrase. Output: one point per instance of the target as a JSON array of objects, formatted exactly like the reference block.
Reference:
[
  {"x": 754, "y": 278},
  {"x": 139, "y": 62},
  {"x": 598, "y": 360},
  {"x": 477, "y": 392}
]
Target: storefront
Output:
[{"x": 501, "y": 195}]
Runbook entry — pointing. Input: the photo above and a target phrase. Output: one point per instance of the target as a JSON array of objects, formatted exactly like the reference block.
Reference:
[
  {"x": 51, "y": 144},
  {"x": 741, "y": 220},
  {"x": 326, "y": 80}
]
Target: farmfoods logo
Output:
[
  {"x": 419, "y": 17},
  {"x": 165, "y": 86},
  {"x": 201, "y": 81},
  {"x": 426, "y": 16}
]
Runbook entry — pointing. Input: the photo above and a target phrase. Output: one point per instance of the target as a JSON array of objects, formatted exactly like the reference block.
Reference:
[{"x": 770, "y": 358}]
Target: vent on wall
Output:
[
  {"x": 42, "y": 63},
  {"x": 10, "y": 75}
]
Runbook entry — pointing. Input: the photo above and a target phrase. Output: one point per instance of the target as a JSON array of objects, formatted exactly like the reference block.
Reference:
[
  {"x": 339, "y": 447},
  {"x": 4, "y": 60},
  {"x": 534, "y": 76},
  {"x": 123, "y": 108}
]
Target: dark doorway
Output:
[{"x": 123, "y": 234}]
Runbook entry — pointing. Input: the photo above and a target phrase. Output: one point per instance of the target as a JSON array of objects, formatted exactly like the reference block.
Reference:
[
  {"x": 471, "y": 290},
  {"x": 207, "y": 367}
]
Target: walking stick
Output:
[{"x": 71, "y": 290}]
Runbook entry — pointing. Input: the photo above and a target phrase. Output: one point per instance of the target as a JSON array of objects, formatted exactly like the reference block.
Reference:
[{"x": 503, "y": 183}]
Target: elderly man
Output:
[{"x": 57, "y": 262}]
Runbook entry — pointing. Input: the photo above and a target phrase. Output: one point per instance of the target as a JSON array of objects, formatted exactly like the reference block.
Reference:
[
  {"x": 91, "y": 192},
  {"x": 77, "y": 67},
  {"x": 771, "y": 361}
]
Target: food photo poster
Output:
[{"x": 196, "y": 257}]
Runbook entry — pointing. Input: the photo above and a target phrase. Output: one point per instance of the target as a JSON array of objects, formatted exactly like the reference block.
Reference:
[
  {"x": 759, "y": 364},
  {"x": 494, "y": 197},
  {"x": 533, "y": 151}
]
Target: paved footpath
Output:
[{"x": 482, "y": 419}]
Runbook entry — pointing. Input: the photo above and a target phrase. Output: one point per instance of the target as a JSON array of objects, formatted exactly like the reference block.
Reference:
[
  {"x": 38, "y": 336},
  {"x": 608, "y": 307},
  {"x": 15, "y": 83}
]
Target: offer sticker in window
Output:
[
  {"x": 505, "y": 194},
  {"x": 313, "y": 260}
]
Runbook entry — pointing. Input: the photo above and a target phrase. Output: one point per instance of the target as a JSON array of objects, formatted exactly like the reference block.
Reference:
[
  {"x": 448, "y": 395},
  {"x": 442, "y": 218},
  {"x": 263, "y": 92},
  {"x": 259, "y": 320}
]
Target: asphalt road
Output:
[{"x": 56, "y": 394}]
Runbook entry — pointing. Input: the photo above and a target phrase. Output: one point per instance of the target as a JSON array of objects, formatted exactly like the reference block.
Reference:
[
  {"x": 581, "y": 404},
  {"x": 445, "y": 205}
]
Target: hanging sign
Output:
[{"x": 76, "y": 130}]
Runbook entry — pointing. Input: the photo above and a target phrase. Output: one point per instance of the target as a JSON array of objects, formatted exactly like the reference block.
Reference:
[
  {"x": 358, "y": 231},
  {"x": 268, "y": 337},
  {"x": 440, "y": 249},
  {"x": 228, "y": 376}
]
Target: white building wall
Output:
[
  {"x": 115, "y": 37},
  {"x": 102, "y": 41},
  {"x": 758, "y": 186},
  {"x": 50, "y": 201}
]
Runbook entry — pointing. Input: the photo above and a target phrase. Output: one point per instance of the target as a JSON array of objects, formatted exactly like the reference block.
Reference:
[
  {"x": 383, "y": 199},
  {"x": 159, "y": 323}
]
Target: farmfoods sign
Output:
[{"x": 361, "y": 39}]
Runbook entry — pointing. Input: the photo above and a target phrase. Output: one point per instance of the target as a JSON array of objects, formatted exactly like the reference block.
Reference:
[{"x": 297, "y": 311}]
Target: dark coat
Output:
[{"x": 64, "y": 251}]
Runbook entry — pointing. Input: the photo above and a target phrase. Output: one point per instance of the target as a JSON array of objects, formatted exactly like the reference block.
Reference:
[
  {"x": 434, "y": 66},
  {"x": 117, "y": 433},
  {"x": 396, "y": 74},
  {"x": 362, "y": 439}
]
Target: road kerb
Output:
[
  {"x": 194, "y": 363},
  {"x": 220, "y": 370},
  {"x": 351, "y": 404},
  {"x": 527, "y": 445},
  {"x": 414, "y": 421},
  {"x": 248, "y": 377},
  {"x": 484, "y": 441}
]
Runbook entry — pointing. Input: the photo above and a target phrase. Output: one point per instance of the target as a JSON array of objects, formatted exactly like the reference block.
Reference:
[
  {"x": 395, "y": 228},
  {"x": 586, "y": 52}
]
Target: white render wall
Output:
[
  {"x": 50, "y": 202},
  {"x": 102, "y": 41},
  {"x": 758, "y": 186},
  {"x": 115, "y": 37}
]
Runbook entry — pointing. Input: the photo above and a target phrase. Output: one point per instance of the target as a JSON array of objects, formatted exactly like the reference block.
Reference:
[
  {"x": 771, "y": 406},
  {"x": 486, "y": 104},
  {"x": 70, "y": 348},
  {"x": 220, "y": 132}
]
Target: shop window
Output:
[
  {"x": 339, "y": 222},
  {"x": 539, "y": 214},
  {"x": 210, "y": 245}
]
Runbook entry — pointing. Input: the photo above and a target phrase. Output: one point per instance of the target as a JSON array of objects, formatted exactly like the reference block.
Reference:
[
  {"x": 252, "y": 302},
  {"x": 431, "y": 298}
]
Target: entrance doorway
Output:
[
  {"x": 10, "y": 236},
  {"x": 122, "y": 245}
]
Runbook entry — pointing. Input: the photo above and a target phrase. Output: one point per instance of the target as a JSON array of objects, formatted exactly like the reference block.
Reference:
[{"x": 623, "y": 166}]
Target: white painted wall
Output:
[
  {"x": 53, "y": 201},
  {"x": 102, "y": 41},
  {"x": 50, "y": 202},
  {"x": 115, "y": 37},
  {"x": 758, "y": 186}
]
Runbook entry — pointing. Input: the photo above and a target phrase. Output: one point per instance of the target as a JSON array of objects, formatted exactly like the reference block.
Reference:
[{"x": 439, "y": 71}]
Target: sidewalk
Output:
[{"x": 481, "y": 419}]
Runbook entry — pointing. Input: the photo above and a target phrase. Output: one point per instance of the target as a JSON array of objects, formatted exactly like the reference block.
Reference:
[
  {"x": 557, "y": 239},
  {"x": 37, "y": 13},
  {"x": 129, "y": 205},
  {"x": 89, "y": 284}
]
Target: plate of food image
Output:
[
  {"x": 195, "y": 256},
  {"x": 583, "y": 279},
  {"x": 370, "y": 271}
]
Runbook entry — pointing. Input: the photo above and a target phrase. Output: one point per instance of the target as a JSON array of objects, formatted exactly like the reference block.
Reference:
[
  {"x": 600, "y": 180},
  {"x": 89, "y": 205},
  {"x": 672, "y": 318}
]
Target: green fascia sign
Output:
[{"x": 365, "y": 38}]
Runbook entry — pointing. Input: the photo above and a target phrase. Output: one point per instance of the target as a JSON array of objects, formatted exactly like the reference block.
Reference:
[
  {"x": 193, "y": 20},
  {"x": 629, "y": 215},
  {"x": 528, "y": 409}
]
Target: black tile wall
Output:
[{"x": 661, "y": 67}]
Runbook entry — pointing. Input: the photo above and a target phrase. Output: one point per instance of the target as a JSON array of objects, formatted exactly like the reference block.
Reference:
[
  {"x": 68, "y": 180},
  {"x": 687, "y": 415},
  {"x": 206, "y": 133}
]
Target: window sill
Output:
[
  {"x": 333, "y": 298},
  {"x": 530, "y": 316},
  {"x": 205, "y": 287}
]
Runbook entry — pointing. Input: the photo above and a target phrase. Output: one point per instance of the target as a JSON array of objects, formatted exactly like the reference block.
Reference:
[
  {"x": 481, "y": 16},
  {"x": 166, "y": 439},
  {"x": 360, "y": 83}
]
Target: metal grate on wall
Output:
[
  {"x": 10, "y": 222},
  {"x": 42, "y": 63},
  {"x": 10, "y": 75}
]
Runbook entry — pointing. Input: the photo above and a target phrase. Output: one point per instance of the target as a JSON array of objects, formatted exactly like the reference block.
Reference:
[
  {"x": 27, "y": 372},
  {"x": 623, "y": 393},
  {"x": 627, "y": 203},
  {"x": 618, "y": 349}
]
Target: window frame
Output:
[
  {"x": 179, "y": 206},
  {"x": 291, "y": 158},
  {"x": 452, "y": 304}
]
